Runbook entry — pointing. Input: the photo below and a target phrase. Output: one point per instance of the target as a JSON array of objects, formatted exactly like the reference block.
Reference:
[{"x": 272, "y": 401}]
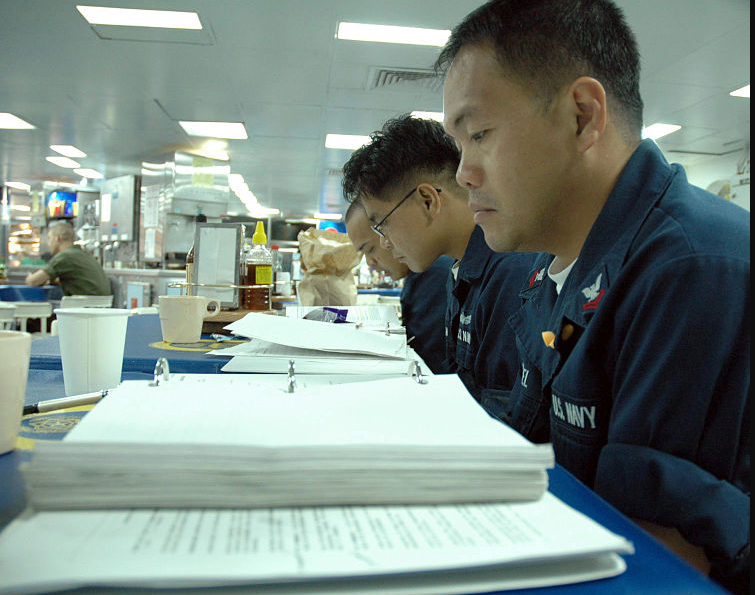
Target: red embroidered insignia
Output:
[{"x": 593, "y": 304}]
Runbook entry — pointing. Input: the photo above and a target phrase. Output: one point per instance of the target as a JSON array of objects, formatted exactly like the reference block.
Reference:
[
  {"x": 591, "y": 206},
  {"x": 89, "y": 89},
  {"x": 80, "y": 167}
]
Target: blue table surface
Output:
[
  {"x": 395, "y": 291},
  {"x": 144, "y": 345},
  {"x": 651, "y": 570},
  {"x": 27, "y": 293}
]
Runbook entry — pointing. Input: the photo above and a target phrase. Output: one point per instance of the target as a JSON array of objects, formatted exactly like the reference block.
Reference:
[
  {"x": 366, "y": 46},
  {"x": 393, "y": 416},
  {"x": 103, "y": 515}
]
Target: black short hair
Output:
[
  {"x": 549, "y": 43},
  {"x": 403, "y": 147},
  {"x": 352, "y": 210}
]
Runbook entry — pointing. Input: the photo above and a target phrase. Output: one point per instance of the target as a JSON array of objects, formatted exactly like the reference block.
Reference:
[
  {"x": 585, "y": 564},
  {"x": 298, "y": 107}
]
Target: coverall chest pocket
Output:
[{"x": 578, "y": 432}]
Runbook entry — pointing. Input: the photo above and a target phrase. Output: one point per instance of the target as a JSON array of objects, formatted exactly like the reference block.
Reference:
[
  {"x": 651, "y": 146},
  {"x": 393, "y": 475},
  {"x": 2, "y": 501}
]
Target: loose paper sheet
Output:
[
  {"x": 322, "y": 336},
  {"x": 205, "y": 547}
]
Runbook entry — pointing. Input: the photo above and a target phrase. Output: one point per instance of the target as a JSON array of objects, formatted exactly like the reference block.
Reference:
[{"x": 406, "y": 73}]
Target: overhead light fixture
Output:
[
  {"x": 63, "y": 162},
  {"x": 743, "y": 92},
  {"x": 136, "y": 17},
  {"x": 214, "y": 154},
  {"x": 232, "y": 130},
  {"x": 85, "y": 172},
  {"x": 393, "y": 34},
  {"x": 329, "y": 216},
  {"x": 24, "y": 208},
  {"x": 18, "y": 186},
  {"x": 12, "y": 122},
  {"x": 68, "y": 150},
  {"x": 437, "y": 116},
  {"x": 658, "y": 130},
  {"x": 345, "y": 141}
]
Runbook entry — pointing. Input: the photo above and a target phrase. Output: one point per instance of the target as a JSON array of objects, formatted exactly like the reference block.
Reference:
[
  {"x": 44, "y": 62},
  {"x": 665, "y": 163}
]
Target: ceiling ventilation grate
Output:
[{"x": 380, "y": 77}]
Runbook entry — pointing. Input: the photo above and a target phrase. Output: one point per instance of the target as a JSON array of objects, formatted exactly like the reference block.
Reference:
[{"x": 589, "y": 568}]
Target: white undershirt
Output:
[
  {"x": 560, "y": 278},
  {"x": 455, "y": 269}
]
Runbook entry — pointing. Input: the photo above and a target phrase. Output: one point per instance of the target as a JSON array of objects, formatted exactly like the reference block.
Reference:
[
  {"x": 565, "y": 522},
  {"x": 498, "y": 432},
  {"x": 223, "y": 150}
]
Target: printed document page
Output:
[
  {"x": 324, "y": 336},
  {"x": 213, "y": 547},
  {"x": 394, "y": 411}
]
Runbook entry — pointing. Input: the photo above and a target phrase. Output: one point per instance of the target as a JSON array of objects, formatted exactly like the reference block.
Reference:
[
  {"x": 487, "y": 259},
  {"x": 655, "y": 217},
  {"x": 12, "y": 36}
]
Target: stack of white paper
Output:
[
  {"x": 214, "y": 443},
  {"x": 318, "y": 347},
  {"x": 391, "y": 550}
]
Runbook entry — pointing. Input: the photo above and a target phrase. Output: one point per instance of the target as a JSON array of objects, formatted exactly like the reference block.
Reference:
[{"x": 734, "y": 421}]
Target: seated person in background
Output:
[
  {"x": 423, "y": 303},
  {"x": 405, "y": 179},
  {"x": 77, "y": 271},
  {"x": 634, "y": 332}
]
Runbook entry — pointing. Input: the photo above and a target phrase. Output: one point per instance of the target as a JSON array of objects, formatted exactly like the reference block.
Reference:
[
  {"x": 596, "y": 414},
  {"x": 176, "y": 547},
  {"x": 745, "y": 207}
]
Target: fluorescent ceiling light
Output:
[
  {"x": 438, "y": 116},
  {"x": 345, "y": 141},
  {"x": 658, "y": 130},
  {"x": 134, "y": 17},
  {"x": 25, "y": 208},
  {"x": 234, "y": 130},
  {"x": 68, "y": 150},
  {"x": 393, "y": 34},
  {"x": 329, "y": 216},
  {"x": 18, "y": 186},
  {"x": 63, "y": 162},
  {"x": 13, "y": 122},
  {"x": 743, "y": 92},
  {"x": 214, "y": 154},
  {"x": 85, "y": 172}
]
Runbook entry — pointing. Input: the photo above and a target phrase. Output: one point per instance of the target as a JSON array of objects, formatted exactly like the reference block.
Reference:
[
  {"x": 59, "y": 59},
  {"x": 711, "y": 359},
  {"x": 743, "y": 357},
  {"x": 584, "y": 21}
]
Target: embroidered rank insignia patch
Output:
[
  {"x": 594, "y": 293},
  {"x": 537, "y": 276}
]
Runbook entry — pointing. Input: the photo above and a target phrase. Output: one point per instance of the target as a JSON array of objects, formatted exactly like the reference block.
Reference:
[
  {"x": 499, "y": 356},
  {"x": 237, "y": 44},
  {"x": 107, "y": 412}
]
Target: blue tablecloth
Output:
[
  {"x": 27, "y": 293},
  {"x": 144, "y": 345}
]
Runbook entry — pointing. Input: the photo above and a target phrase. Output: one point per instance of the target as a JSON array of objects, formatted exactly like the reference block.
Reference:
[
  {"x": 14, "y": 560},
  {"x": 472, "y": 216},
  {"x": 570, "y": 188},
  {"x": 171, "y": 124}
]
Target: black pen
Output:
[{"x": 73, "y": 401}]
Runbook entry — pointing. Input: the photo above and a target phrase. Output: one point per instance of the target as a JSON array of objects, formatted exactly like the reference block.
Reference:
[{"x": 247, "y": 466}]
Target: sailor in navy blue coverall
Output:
[
  {"x": 423, "y": 308},
  {"x": 405, "y": 178},
  {"x": 638, "y": 369},
  {"x": 479, "y": 341},
  {"x": 423, "y": 297},
  {"x": 645, "y": 391}
]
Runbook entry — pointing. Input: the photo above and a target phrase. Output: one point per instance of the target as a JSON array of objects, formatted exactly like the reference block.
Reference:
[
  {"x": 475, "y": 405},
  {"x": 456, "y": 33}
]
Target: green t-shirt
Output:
[{"x": 78, "y": 272}]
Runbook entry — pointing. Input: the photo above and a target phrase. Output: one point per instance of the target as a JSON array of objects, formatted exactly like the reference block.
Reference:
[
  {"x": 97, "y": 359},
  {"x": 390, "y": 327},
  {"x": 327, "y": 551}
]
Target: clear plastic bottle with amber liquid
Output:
[{"x": 259, "y": 272}]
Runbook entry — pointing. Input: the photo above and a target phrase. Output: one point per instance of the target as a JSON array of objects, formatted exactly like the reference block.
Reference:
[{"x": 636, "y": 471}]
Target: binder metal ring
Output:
[
  {"x": 161, "y": 369},
  {"x": 416, "y": 371}
]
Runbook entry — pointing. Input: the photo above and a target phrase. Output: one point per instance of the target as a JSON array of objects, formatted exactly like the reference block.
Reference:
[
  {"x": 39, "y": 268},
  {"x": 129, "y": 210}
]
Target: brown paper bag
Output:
[{"x": 328, "y": 259}]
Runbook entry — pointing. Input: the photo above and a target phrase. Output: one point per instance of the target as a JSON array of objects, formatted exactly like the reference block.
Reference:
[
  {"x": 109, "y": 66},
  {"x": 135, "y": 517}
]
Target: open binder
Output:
[
  {"x": 231, "y": 441},
  {"x": 432, "y": 514}
]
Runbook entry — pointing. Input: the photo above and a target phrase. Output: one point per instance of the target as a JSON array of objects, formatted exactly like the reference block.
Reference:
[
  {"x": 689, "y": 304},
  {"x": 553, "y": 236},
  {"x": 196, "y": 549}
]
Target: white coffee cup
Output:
[
  {"x": 181, "y": 316},
  {"x": 92, "y": 341},
  {"x": 15, "y": 349}
]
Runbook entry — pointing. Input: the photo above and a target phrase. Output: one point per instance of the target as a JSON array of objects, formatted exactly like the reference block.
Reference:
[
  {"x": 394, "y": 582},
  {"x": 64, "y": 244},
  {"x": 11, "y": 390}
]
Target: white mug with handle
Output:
[{"x": 181, "y": 316}]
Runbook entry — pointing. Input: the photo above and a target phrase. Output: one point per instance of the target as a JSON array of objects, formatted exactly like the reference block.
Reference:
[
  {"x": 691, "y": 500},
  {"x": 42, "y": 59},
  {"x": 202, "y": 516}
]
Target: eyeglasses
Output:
[{"x": 378, "y": 227}]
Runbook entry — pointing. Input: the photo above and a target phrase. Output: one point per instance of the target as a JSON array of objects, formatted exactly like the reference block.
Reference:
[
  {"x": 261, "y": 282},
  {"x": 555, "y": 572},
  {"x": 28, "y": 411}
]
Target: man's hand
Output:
[{"x": 39, "y": 277}]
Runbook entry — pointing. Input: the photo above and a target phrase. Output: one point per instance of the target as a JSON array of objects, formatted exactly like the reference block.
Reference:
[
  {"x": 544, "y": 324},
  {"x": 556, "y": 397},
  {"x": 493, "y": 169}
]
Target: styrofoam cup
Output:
[
  {"x": 92, "y": 341},
  {"x": 15, "y": 349}
]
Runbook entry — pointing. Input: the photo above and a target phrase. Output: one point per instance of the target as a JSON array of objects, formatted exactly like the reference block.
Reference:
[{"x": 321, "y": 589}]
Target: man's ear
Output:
[
  {"x": 588, "y": 99},
  {"x": 430, "y": 197}
]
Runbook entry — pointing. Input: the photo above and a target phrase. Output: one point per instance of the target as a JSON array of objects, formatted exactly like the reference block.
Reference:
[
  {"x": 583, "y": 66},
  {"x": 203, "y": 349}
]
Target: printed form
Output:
[{"x": 221, "y": 547}]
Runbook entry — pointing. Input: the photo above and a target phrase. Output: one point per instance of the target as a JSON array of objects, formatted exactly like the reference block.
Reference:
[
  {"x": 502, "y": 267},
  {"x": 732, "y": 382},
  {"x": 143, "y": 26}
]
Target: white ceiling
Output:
[{"x": 276, "y": 66}]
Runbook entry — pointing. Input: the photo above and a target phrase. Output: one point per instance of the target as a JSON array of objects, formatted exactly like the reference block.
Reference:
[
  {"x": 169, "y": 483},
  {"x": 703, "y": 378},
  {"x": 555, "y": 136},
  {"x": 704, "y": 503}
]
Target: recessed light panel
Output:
[
  {"x": 345, "y": 141},
  {"x": 658, "y": 130},
  {"x": 232, "y": 130},
  {"x": 13, "y": 122},
  {"x": 133, "y": 17},
  {"x": 393, "y": 34},
  {"x": 437, "y": 116},
  {"x": 85, "y": 172},
  {"x": 63, "y": 162},
  {"x": 743, "y": 92},
  {"x": 68, "y": 150}
]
